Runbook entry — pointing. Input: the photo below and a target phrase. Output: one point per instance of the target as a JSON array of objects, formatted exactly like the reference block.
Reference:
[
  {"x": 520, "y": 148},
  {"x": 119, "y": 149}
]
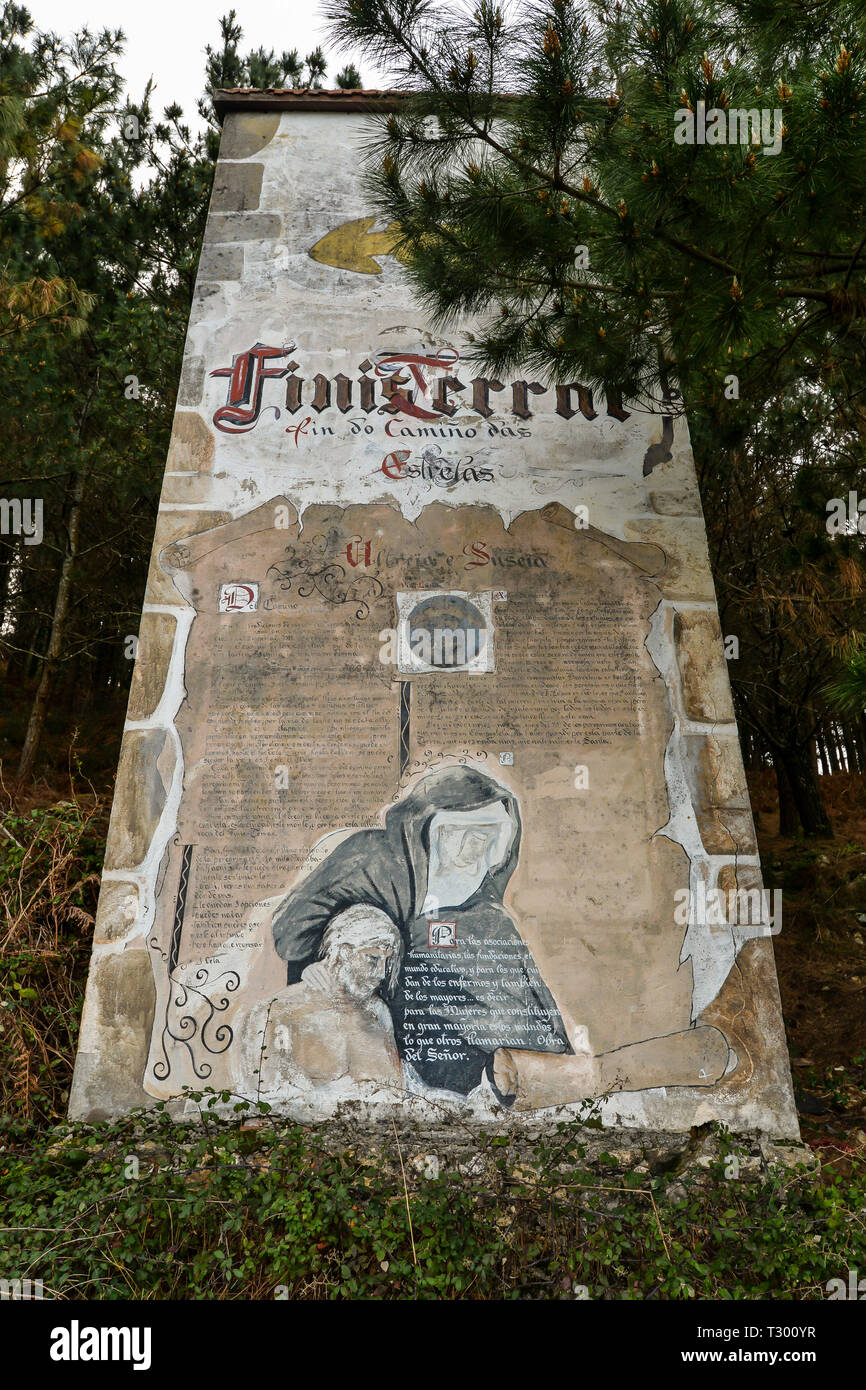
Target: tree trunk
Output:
[
  {"x": 831, "y": 763},
  {"x": 838, "y": 748},
  {"x": 852, "y": 747},
  {"x": 799, "y": 765},
  {"x": 51, "y": 659},
  {"x": 7, "y": 559},
  {"x": 788, "y": 821}
]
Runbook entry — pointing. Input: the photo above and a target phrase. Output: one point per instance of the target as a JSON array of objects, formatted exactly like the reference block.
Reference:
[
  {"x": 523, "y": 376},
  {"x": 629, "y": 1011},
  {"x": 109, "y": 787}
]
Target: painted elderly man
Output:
[{"x": 333, "y": 1026}]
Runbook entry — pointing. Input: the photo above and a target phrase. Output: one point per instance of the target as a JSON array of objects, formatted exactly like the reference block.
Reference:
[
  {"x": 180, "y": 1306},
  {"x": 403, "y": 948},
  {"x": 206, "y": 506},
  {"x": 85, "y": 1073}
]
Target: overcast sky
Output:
[{"x": 165, "y": 39}]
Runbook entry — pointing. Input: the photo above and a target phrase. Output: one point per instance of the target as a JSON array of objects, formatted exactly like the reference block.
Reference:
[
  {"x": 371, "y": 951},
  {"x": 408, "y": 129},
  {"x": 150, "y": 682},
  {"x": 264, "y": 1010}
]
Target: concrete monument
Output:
[{"x": 430, "y": 769}]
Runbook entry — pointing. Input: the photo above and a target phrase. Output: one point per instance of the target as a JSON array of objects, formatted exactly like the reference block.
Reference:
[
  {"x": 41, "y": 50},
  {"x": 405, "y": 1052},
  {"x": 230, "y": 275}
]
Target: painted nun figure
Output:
[{"x": 468, "y": 984}]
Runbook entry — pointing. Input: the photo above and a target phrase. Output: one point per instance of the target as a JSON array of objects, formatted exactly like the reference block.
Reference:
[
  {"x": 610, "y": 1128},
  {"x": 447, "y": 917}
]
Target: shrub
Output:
[{"x": 49, "y": 880}]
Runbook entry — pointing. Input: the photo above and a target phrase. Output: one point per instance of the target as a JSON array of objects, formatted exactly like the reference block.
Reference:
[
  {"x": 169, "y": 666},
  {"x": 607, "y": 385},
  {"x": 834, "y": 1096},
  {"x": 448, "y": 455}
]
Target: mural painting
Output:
[{"x": 430, "y": 736}]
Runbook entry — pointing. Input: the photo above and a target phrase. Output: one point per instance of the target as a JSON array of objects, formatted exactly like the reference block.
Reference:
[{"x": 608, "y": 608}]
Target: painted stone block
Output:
[{"x": 435, "y": 796}]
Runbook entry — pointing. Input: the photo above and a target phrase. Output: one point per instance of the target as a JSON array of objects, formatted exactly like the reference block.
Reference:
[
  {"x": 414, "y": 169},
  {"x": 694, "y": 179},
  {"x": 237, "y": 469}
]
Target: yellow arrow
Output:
[{"x": 352, "y": 246}]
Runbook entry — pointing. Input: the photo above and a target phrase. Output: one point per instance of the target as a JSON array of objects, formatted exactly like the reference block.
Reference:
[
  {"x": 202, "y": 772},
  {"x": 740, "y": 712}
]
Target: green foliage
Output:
[
  {"x": 538, "y": 176},
  {"x": 49, "y": 877},
  {"x": 262, "y": 68},
  {"x": 102, "y": 209},
  {"x": 848, "y": 691},
  {"x": 49, "y": 91},
  {"x": 349, "y": 78},
  {"x": 220, "y": 1211},
  {"x": 90, "y": 410},
  {"x": 730, "y": 259},
  {"x": 224, "y": 1212},
  {"x": 792, "y": 594}
]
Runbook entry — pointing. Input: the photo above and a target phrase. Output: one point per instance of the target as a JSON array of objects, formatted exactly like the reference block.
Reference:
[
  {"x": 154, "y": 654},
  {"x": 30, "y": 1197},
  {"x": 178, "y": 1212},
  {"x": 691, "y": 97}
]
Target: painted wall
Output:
[{"x": 430, "y": 791}]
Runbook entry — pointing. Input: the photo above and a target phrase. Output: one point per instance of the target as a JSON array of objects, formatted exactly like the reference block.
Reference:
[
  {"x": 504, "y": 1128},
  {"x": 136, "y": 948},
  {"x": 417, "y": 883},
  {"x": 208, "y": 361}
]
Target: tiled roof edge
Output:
[{"x": 304, "y": 99}]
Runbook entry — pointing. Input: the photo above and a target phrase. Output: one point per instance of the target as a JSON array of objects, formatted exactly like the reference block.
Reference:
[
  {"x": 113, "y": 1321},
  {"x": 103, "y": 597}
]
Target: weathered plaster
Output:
[{"x": 284, "y": 182}]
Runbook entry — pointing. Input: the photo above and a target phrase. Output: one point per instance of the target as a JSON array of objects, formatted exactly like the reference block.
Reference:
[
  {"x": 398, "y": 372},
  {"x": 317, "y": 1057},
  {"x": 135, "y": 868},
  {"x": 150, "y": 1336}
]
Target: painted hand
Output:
[{"x": 505, "y": 1072}]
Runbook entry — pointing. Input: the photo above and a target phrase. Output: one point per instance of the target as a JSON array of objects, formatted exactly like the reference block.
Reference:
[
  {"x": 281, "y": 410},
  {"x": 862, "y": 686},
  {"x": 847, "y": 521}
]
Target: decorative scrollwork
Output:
[
  {"x": 328, "y": 581},
  {"x": 188, "y": 1028},
  {"x": 185, "y": 1028}
]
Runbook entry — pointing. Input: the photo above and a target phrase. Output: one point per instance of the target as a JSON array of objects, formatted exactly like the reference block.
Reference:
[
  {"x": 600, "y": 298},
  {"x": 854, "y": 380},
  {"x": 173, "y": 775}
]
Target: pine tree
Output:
[
  {"x": 261, "y": 68},
  {"x": 552, "y": 172},
  {"x": 90, "y": 403},
  {"x": 48, "y": 89},
  {"x": 349, "y": 78},
  {"x": 102, "y": 211},
  {"x": 567, "y": 212}
]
